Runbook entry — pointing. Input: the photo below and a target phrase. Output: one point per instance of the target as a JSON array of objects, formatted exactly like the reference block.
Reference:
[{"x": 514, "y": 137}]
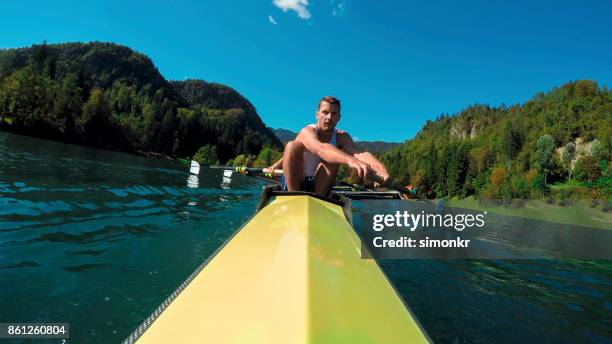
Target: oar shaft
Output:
[
  {"x": 266, "y": 170},
  {"x": 396, "y": 187},
  {"x": 247, "y": 169},
  {"x": 243, "y": 169}
]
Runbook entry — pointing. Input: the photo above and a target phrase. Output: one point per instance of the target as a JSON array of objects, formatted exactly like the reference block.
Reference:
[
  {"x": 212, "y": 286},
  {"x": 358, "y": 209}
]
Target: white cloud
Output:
[
  {"x": 338, "y": 7},
  {"x": 299, "y": 6},
  {"x": 272, "y": 20}
]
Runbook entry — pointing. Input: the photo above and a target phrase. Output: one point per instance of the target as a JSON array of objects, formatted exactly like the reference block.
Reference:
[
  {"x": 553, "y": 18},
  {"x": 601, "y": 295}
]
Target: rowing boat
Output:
[{"x": 292, "y": 274}]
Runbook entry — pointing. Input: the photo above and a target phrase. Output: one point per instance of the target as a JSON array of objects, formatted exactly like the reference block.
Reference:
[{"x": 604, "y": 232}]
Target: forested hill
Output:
[
  {"x": 285, "y": 135},
  {"x": 376, "y": 147},
  {"x": 109, "y": 96},
  {"x": 513, "y": 152}
]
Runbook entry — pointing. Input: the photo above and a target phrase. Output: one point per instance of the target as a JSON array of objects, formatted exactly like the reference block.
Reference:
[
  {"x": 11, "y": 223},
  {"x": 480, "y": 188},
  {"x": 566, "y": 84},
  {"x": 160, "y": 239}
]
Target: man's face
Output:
[{"x": 328, "y": 116}]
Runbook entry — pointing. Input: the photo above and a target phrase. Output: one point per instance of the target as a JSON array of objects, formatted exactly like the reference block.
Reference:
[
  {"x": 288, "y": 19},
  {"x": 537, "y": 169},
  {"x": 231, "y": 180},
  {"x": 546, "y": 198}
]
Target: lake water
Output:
[{"x": 99, "y": 239}]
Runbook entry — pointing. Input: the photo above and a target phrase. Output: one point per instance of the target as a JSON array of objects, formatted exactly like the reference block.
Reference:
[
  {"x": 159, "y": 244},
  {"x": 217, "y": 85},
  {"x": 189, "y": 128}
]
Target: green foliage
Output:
[
  {"x": 603, "y": 184},
  {"x": 109, "y": 96},
  {"x": 538, "y": 186},
  {"x": 243, "y": 160},
  {"x": 499, "y": 178},
  {"x": 587, "y": 169},
  {"x": 545, "y": 147},
  {"x": 95, "y": 109},
  {"x": 239, "y": 160},
  {"x": 267, "y": 156},
  {"x": 511, "y": 140},
  {"x": 520, "y": 138},
  {"x": 569, "y": 153},
  {"x": 207, "y": 155},
  {"x": 595, "y": 149}
]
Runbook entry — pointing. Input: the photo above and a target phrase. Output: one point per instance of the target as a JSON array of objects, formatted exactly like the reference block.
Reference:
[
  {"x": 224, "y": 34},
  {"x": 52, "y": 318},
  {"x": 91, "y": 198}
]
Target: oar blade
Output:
[{"x": 194, "y": 168}]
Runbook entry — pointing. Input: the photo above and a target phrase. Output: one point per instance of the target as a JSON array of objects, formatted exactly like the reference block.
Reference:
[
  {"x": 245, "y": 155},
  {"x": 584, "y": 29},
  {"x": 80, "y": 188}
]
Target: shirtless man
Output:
[{"x": 311, "y": 161}]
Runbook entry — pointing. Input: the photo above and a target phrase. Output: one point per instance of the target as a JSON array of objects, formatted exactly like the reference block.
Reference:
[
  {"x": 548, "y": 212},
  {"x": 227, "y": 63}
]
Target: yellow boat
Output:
[{"x": 292, "y": 274}]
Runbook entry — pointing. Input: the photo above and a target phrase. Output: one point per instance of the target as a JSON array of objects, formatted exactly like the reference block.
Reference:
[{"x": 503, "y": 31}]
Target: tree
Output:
[
  {"x": 430, "y": 175},
  {"x": 569, "y": 153},
  {"x": 545, "y": 147},
  {"x": 40, "y": 52},
  {"x": 267, "y": 156},
  {"x": 207, "y": 155},
  {"x": 585, "y": 88},
  {"x": 499, "y": 175},
  {"x": 43, "y": 88},
  {"x": 94, "y": 123},
  {"x": 24, "y": 95},
  {"x": 442, "y": 164},
  {"x": 95, "y": 108},
  {"x": 67, "y": 104},
  {"x": 605, "y": 168},
  {"x": 511, "y": 140},
  {"x": 457, "y": 170},
  {"x": 587, "y": 169},
  {"x": 595, "y": 149},
  {"x": 240, "y": 160}
]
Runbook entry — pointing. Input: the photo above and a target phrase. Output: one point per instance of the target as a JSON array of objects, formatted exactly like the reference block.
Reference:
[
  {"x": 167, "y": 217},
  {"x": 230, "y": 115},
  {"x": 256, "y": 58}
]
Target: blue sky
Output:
[{"x": 394, "y": 64}]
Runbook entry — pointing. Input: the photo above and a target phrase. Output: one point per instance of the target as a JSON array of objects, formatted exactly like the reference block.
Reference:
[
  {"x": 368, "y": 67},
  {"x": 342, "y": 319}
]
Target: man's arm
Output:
[
  {"x": 276, "y": 166},
  {"x": 349, "y": 147},
  {"x": 308, "y": 137},
  {"x": 375, "y": 164}
]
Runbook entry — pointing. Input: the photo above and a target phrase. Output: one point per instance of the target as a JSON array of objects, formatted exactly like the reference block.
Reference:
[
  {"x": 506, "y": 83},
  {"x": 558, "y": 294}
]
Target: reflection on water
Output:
[
  {"x": 503, "y": 301},
  {"x": 193, "y": 181},
  {"x": 99, "y": 239}
]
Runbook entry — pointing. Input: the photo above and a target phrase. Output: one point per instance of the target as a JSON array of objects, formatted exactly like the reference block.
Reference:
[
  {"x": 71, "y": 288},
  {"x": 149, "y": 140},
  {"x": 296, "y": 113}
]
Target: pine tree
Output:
[{"x": 569, "y": 153}]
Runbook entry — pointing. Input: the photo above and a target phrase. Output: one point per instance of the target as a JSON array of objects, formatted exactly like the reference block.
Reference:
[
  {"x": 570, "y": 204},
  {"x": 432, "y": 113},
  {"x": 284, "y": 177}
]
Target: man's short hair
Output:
[{"x": 331, "y": 100}]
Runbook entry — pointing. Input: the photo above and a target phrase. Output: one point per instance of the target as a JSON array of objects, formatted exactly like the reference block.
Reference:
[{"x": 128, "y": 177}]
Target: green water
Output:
[{"x": 99, "y": 239}]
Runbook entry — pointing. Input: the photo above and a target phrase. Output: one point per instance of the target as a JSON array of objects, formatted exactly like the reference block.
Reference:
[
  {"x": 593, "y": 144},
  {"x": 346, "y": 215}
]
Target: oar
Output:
[
  {"x": 396, "y": 187},
  {"x": 401, "y": 190},
  {"x": 244, "y": 169},
  {"x": 195, "y": 169},
  {"x": 357, "y": 187}
]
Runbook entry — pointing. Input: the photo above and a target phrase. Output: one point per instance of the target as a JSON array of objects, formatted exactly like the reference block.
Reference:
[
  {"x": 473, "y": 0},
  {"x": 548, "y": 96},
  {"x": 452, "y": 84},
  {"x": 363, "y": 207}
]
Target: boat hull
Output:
[{"x": 292, "y": 274}]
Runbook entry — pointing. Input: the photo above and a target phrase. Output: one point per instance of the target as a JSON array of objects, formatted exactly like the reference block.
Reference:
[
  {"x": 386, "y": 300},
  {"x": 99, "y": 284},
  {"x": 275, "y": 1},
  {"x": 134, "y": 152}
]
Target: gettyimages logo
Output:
[
  {"x": 424, "y": 230},
  {"x": 410, "y": 221}
]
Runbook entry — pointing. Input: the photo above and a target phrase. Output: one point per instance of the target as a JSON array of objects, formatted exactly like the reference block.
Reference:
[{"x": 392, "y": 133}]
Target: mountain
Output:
[
  {"x": 375, "y": 147},
  {"x": 514, "y": 152},
  {"x": 284, "y": 135},
  {"x": 110, "y": 96}
]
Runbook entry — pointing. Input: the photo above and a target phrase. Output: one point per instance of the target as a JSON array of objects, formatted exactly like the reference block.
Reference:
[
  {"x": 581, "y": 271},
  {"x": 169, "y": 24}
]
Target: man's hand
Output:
[
  {"x": 363, "y": 169},
  {"x": 384, "y": 178},
  {"x": 277, "y": 165},
  {"x": 268, "y": 170},
  {"x": 380, "y": 179}
]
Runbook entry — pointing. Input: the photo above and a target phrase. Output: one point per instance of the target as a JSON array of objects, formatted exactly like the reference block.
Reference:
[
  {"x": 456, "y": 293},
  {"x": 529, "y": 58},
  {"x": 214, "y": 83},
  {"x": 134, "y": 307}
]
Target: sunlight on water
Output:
[
  {"x": 503, "y": 301},
  {"x": 99, "y": 239}
]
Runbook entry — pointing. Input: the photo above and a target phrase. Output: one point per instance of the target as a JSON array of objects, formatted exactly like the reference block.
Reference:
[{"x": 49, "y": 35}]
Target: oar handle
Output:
[
  {"x": 243, "y": 169},
  {"x": 275, "y": 171}
]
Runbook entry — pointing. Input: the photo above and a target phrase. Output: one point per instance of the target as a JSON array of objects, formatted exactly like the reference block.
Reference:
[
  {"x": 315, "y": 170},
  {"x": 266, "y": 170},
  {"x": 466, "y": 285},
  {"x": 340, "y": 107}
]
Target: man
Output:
[{"x": 311, "y": 161}]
